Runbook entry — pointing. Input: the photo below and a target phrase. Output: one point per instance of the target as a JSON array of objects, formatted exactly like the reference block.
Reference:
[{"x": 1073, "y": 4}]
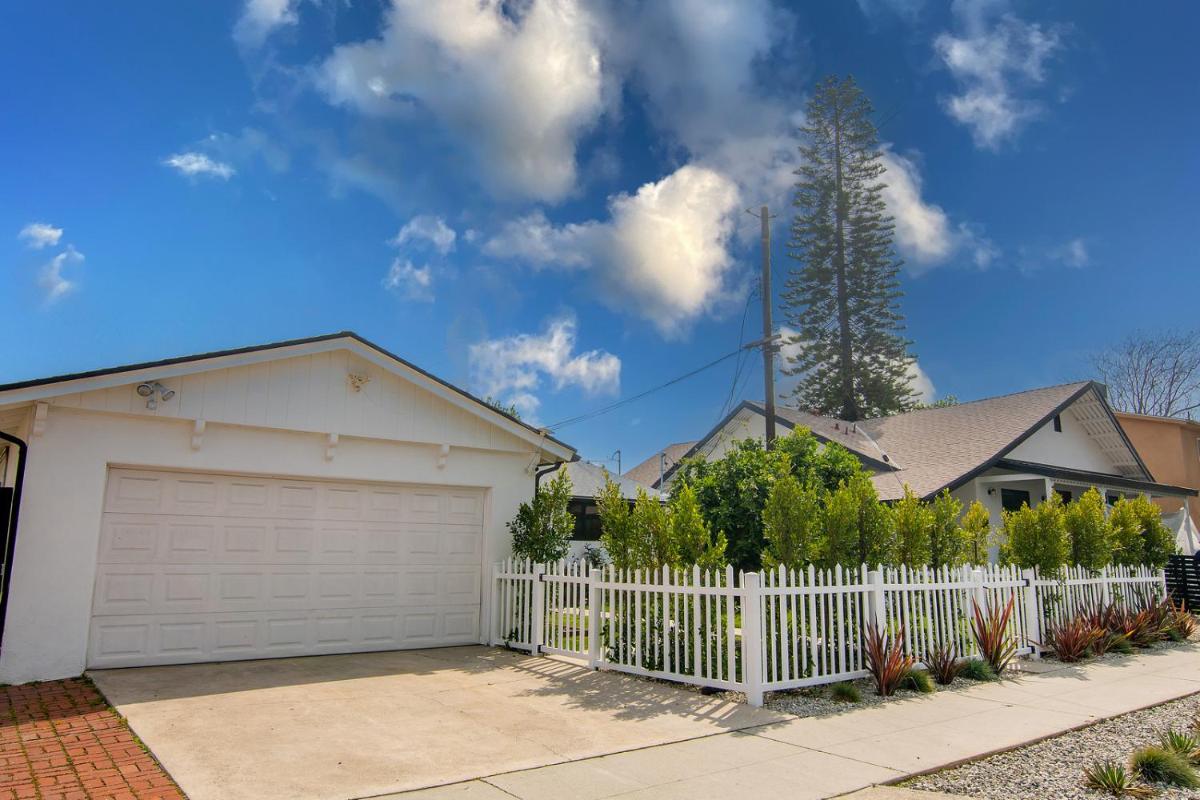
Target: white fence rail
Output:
[{"x": 780, "y": 629}]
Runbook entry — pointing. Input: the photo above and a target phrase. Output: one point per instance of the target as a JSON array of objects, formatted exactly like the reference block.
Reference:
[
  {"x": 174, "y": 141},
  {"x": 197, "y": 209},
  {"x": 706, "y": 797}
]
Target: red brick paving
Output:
[{"x": 59, "y": 740}]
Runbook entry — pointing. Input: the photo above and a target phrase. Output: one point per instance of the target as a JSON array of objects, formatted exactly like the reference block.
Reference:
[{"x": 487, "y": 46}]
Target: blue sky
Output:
[{"x": 544, "y": 200}]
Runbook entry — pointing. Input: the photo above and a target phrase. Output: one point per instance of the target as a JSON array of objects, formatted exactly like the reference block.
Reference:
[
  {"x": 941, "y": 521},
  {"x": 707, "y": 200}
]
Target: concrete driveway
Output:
[{"x": 353, "y": 726}]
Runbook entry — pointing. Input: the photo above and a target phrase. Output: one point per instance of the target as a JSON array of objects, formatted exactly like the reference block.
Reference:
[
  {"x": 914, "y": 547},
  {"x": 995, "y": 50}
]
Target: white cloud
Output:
[
  {"x": 994, "y": 57},
  {"x": 409, "y": 281},
  {"x": 194, "y": 164},
  {"x": 517, "y": 84},
  {"x": 1073, "y": 254},
  {"x": 52, "y": 280},
  {"x": 663, "y": 253},
  {"x": 511, "y": 369},
  {"x": 920, "y": 383},
  {"x": 37, "y": 235},
  {"x": 427, "y": 228},
  {"x": 925, "y": 235},
  {"x": 260, "y": 17}
]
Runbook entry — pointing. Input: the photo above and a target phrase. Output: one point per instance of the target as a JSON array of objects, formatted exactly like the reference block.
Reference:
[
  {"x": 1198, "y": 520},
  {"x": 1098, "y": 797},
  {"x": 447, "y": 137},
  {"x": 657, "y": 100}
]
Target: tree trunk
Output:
[{"x": 849, "y": 407}]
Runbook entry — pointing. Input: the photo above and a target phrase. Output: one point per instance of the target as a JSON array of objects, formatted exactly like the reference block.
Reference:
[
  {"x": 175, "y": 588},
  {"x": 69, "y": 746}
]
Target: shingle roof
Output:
[
  {"x": 935, "y": 447},
  {"x": 849, "y": 436},
  {"x": 588, "y": 479},
  {"x": 646, "y": 473}
]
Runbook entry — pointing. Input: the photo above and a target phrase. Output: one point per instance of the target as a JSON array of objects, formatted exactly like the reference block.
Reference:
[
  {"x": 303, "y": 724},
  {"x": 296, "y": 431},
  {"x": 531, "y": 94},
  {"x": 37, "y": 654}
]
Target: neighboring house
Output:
[
  {"x": 1170, "y": 447},
  {"x": 587, "y": 481},
  {"x": 1003, "y": 451},
  {"x": 311, "y": 496},
  {"x": 649, "y": 471}
]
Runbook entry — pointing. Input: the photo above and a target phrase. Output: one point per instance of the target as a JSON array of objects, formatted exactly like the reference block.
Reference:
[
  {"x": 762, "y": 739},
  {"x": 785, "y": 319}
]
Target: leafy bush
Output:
[
  {"x": 858, "y": 528},
  {"x": 1036, "y": 537},
  {"x": 912, "y": 521},
  {"x": 1071, "y": 640},
  {"x": 652, "y": 527},
  {"x": 886, "y": 660},
  {"x": 692, "y": 541},
  {"x": 791, "y": 523},
  {"x": 976, "y": 669},
  {"x": 943, "y": 663},
  {"x": 542, "y": 528},
  {"x": 1159, "y": 765},
  {"x": 1138, "y": 533},
  {"x": 1088, "y": 531},
  {"x": 845, "y": 692},
  {"x": 1112, "y": 778},
  {"x": 950, "y": 544},
  {"x": 918, "y": 680},
  {"x": 990, "y": 629},
  {"x": 977, "y": 531},
  {"x": 732, "y": 492},
  {"x": 617, "y": 533}
]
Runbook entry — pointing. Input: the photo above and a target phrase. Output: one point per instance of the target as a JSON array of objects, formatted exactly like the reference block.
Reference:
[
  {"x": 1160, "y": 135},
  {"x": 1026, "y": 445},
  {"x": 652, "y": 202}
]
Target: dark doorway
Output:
[{"x": 1013, "y": 499}]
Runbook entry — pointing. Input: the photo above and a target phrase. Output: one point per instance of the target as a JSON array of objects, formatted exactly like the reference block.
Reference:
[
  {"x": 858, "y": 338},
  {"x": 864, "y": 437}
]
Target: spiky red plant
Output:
[
  {"x": 886, "y": 659},
  {"x": 990, "y": 629},
  {"x": 943, "y": 663},
  {"x": 1071, "y": 640}
]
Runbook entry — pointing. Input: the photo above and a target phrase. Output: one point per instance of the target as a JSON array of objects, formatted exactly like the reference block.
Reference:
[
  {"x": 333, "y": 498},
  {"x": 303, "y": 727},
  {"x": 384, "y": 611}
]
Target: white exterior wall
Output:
[
  {"x": 1071, "y": 448},
  {"x": 55, "y": 563}
]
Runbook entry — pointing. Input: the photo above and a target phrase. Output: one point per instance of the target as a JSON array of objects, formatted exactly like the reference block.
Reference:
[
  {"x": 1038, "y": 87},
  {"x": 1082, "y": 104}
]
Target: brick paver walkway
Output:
[{"x": 59, "y": 740}]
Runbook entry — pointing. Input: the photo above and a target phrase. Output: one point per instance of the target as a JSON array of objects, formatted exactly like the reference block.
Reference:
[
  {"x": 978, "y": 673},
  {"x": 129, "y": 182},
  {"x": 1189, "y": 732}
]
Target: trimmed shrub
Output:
[
  {"x": 845, "y": 692},
  {"x": 976, "y": 669},
  {"x": 1036, "y": 537},
  {"x": 542, "y": 528},
  {"x": 1157, "y": 764},
  {"x": 912, "y": 521},
  {"x": 977, "y": 532},
  {"x": 791, "y": 523},
  {"x": 918, "y": 680},
  {"x": 1088, "y": 531},
  {"x": 950, "y": 544}
]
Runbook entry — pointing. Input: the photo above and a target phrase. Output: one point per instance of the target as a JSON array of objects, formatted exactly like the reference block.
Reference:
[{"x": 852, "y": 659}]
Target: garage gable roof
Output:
[{"x": 43, "y": 388}]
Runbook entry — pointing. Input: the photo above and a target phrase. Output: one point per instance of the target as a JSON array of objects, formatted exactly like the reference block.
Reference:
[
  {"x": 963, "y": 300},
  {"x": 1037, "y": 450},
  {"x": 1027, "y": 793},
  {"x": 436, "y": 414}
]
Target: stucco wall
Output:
[
  {"x": 1170, "y": 450},
  {"x": 54, "y": 567},
  {"x": 1071, "y": 447}
]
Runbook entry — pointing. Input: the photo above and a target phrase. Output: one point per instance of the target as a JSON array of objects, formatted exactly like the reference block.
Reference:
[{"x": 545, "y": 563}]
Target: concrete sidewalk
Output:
[{"x": 824, "y": 757}]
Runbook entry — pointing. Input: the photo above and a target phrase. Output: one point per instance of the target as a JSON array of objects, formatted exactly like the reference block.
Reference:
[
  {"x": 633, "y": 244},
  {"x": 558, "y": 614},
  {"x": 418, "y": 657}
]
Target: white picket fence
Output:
[{"x": 779, "y": 629}]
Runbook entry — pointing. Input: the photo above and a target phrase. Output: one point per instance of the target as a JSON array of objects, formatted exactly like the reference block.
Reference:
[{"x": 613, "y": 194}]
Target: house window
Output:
[
  {"x": 1013, "y": 499},
  {"x": 1058, "y": 423},
  {"x": 587, "y": 520},
  {"x": 1064, "y": 494},
  {"x": 1112, "y": 499}
]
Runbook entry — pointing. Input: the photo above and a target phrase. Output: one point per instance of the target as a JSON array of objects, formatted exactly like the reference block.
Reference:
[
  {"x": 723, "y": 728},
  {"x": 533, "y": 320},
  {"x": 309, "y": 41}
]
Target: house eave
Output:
[{"x": 1094, "y": 478}]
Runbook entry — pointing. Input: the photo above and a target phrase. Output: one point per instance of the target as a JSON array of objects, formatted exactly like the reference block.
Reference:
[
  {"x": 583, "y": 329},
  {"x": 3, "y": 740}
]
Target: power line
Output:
[{"x": 613, "y": 406}]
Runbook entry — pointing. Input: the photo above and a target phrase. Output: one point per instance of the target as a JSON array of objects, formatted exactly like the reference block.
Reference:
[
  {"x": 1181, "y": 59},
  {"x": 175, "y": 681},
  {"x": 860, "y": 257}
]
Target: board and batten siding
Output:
[
  {"x": 271, "y": 420},
  {"x": 309, "y": 393}
]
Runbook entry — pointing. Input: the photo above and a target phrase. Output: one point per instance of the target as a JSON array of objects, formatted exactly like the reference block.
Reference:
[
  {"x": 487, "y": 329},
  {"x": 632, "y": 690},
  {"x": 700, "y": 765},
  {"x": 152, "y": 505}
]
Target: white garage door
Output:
[{"x": 200, "y": 567}]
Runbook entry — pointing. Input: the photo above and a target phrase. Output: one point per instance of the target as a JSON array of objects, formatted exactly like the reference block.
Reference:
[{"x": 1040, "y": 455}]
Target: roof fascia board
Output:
[
  {"x": 1086, "y": 476},
  {"x": 105, "y": 379}
]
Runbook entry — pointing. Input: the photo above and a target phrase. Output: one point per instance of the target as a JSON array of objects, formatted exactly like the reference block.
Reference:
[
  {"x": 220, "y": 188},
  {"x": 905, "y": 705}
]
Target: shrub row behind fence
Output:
[{"x": 781, "y": 629}]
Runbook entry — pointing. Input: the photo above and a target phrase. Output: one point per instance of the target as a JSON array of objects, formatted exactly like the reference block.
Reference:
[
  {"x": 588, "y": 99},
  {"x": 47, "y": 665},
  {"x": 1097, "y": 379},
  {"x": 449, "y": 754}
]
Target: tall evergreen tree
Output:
[{"x": 843, "y": 299}]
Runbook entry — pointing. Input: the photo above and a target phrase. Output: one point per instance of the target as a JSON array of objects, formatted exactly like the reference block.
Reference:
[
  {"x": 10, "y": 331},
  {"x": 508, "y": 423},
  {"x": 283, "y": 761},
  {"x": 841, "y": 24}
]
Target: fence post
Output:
[
  {"x": 537, "y": 635},
  {"x": 978, "y": 595},
  {"x": 877, "y": 607},
  {"x": 1105, "y": 587},
  {"x": 752, "y": 638},
  {"x": 594, "y": 577},
  {"x": 1033, "y": 619},
  {"x": 494, "y": 610}
]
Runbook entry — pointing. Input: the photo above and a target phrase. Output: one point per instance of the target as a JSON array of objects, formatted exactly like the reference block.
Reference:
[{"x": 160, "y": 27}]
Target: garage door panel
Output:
[
  {"x": 186, "y": 638},
  {"x": 199, "y": 567}
]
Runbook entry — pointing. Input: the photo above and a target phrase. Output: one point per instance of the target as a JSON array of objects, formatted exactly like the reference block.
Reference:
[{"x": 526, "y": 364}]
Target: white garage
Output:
[{"x": 308, "y": 497}]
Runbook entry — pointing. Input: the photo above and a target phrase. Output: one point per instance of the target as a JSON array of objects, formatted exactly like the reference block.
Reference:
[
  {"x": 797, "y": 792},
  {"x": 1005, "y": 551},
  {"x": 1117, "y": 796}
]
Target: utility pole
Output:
[{"x": 768, "y": 348}]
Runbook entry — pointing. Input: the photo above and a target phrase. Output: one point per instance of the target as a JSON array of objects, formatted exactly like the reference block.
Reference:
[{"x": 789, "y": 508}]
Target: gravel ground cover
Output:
[{"x": 1054, "y": 767}]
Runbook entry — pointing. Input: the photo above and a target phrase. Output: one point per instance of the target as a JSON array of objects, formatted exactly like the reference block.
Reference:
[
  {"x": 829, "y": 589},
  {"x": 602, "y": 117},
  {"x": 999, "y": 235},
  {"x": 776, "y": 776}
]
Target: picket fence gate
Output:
[{"x": 780, "y": 629}]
